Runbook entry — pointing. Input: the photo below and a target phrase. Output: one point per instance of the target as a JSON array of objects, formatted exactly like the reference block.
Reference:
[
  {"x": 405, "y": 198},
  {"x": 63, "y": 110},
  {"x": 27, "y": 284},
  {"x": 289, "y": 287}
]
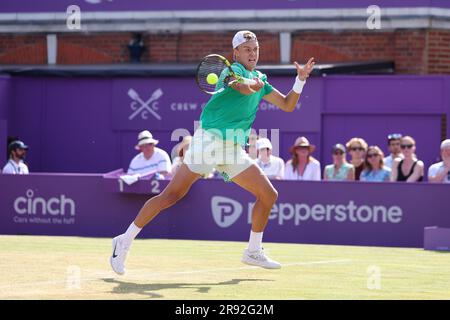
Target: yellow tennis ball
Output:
[{"x": 212, "y": 78}]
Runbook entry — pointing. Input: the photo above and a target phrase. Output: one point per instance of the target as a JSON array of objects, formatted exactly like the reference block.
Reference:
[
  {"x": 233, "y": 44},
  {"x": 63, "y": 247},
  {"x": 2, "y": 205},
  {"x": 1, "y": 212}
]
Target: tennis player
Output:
[{"x": 225, "y": 124}]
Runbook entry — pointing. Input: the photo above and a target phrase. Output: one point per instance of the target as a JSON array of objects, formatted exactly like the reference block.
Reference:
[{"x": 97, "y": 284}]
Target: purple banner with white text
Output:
[{"x": 373, "y": 214}]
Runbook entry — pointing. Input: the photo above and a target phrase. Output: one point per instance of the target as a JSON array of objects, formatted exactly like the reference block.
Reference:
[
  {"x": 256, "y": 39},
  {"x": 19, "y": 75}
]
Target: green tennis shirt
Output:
[{"x": 230, "y": 114}]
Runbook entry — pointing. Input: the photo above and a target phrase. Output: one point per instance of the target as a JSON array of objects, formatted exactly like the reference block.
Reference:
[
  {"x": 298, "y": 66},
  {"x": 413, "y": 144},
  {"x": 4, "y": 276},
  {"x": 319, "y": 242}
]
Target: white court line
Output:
[
  {"x": 246, "y": 267},
  {"x": 147, "y": 274}
]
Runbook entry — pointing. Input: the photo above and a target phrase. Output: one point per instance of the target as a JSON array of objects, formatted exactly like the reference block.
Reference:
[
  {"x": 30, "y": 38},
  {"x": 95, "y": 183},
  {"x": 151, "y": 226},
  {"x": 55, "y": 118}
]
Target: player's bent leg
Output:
[
  {"x": 175, "y": 190},
  {"x": 256, "y": 182}
]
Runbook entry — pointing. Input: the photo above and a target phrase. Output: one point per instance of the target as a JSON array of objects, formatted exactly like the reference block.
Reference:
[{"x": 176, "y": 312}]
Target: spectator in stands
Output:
[
  {"x": 17, "y": 151},
  {"x": 440, "y": 172},
  {"x": 272, "y": 166},
  {"x": 181, "y": 148},
  {"x": 340, "y": 170},
  {"x": 151, "y": 158},
  {"x": 408, "y": 169},
  {"x": 357, "y": 148},
  {"x": 394, "y": 149},
  {"x": 302, "y": 165},
  {"x": 374, "y": 169}
]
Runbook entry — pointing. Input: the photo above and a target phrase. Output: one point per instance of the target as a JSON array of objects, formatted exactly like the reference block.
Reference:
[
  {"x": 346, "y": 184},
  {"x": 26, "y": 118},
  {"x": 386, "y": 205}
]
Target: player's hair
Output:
[{"x": 367, "y": 164}]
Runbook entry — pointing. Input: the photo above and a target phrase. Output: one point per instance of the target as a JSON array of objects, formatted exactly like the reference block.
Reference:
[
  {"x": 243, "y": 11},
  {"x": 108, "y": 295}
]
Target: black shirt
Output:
[{"x": 401, "y": 176}]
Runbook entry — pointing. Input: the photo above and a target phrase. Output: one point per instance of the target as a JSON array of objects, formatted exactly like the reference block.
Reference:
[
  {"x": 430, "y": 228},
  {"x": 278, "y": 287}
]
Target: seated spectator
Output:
[
  {"x": 440, "y": 172},
  {"x": 302, "y": 165},
  {"x": 394, "y": 149},
  {"x": 181, "y": 148},
  {"x": 408, "y": 169},
  {"x": 272, "y": 166},
  {"x": 151, "y": 158},
  {"x": 357, "y": 148},
  {"x": 340, "y": 170},
  {"x": 15, "y": 165},
  {"x": 374, "y": 166}
]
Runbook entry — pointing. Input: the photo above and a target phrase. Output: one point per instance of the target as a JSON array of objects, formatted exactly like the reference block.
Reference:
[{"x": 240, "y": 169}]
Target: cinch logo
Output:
[
  {"x": 54, "y": 206},
  {"x": 225, "y": 211}
]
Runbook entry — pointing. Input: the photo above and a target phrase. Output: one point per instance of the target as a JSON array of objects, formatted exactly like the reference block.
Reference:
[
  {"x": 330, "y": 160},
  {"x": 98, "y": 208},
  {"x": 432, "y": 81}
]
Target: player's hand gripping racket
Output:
[{"x": 210, "y": 72}]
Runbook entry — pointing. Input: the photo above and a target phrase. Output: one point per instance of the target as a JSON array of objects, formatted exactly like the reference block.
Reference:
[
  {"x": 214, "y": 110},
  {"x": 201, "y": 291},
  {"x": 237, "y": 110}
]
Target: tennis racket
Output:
[{"x": 217, "y": 66}]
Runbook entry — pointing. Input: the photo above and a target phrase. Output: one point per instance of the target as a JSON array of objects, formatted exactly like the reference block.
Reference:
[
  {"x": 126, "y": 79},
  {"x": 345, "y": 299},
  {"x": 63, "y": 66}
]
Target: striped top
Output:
[{"x": 160, "y": 161}]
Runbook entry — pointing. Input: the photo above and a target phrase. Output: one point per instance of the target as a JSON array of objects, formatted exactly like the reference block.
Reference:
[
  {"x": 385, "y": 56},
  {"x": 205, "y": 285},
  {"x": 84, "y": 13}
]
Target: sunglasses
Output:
[
  {"x": 338, "y": 153},
  {"x": 404, "y": 146},
  {"x": 372, "y": 155},
  {"x": 394, "y": 136},
  {"x": 357, "y": 149}
]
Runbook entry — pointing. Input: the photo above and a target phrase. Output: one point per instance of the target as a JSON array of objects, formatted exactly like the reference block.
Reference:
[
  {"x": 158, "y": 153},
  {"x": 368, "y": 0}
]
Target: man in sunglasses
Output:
[
  {"x": 440, "y": 172},
  {"x": 394, "y": 149}
]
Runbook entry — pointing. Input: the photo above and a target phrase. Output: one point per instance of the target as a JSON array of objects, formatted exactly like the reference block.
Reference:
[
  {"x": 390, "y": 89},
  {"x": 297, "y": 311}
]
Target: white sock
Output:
[
  {"x": 254, "y": 244},
  {"x": 131, "y": 233}
]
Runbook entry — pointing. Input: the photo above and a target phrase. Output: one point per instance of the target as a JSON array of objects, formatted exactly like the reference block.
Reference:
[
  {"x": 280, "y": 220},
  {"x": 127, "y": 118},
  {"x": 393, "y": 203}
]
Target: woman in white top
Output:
[
  {"x": 302, "y": 166},
  {"x": 272, "y": 166}
]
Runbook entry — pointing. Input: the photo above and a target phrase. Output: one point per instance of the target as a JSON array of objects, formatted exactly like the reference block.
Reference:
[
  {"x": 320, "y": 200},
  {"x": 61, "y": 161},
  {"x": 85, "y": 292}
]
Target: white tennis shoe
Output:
[
  {"x": 119, "y": 254},
  {"x": 259, "y": 258}
]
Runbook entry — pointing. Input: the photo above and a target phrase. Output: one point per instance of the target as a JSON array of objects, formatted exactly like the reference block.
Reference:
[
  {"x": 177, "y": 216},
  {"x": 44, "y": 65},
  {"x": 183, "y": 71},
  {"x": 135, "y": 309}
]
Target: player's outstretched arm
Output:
[
  {"x": 244, "y": 89},
  {"x": 287, "y": 103},
  {"x": 248, "y": 89}
]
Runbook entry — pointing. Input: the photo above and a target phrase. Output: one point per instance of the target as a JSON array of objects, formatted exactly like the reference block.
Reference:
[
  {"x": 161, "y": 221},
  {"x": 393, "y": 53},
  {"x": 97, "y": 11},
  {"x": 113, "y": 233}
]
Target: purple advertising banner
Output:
[
  {"x": 371, "y": 214},
  {"x": 3, "y": 140},
  {"x": 5, "y": 95},
  {"x": 158, "y": 5},
  {"x": 160, "y": 103}
]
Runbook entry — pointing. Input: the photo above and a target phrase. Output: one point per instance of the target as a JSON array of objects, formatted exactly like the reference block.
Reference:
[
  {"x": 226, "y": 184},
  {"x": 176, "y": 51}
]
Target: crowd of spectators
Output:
[{"x": 365, "y": 163}]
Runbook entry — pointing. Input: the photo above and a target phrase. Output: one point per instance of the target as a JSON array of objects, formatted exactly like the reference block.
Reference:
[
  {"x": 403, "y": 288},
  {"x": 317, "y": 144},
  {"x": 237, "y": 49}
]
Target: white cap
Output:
[
  {"x": 263, "y": 143},
  {"x": 243, "y": 36},
  {"x": 445, "y": 144},
  {"x": 145, "y": 137}
]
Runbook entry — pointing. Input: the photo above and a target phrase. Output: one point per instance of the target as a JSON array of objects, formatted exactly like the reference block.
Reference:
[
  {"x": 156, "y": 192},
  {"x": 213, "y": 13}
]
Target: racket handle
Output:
[{"x": 250, "y": 82}]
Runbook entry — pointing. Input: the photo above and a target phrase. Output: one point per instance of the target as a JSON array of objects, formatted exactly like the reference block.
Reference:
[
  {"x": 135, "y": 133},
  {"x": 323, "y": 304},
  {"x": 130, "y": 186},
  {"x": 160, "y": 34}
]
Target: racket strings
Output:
[{"x": 207, "y": 66}]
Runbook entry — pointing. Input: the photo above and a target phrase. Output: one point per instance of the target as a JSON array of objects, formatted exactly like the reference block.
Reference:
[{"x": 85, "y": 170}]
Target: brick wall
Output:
[
  {"x": 414, "y": 51},
  {"x": 190, "y": 47},
  {"x": 407, "y": 48},
  {"x": 439, "y": 52},
  {"x": 93, "y": 48},
  {"x": 18, "y": 49}
]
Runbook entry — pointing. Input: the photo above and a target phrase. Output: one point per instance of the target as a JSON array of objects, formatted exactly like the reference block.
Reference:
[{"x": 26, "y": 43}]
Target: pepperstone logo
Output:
[
  {"x": 225, "y": 211},
  {"x": 56, "y": 210}
]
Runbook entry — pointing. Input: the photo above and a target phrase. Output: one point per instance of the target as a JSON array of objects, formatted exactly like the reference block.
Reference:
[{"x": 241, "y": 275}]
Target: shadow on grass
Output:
[{"x": 149, "y": 289}]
